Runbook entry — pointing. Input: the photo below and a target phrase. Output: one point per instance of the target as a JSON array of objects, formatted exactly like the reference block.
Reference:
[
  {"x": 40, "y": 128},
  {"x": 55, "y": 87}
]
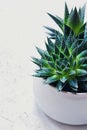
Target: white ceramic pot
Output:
[{"x": 64, "y": 107}]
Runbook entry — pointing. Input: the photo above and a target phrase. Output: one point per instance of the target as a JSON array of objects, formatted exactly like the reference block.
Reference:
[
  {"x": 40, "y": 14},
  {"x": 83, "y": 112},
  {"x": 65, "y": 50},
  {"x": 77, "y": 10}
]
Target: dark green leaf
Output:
[
  {"x": 51, "y": 63},
  {"x": 47, "y": 56},
  {"x": 74, "y": 21},
  {"x": 82, "y": 54},
  {"x": 66, "y": 31},
  {"x": 82, "y": 29},
  {"x": 57, "y": 20},
  {"x": 84, "y": 66},
  {"x": 82, "y": 60},
  {"x": 36, "y": 61},
  {"x": 83, "y": 87},
  {"x": 58, "y": 40},
  {"x": 73, "y": 83},
  {"x": 50, "y": 43},
  {"x": 66, "y": 51},
  {"x": 41, "y": 52},
  {"x": 49, "y": 49},
  {"x": 40, "y": 62},
  {"x": 66, "y": 13},
  {"x": 55, "y": 57},
  {"x": 82, "y": 78},
  {"x": 74, "y": 44},
  {"x": 85, "y": 33},
  {"x": 60, "y": 86},
  {"x": 69, "y": 39},
  {"x": 82, "y": 13},
  {"x": 45, "y": 72}
]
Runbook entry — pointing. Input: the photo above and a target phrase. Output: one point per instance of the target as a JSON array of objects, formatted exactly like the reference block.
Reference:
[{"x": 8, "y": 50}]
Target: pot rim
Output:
[{"x": 63, "y": 93}]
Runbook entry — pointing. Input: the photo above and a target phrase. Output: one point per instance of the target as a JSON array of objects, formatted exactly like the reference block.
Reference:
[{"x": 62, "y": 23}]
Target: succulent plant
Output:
[
  {"x": 63, "y": 64},
  {"x": 73, "y": 21}
]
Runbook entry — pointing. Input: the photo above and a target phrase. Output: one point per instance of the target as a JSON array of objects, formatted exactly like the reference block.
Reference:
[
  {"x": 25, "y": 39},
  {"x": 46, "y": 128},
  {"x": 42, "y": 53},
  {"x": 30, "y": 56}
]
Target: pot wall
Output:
[{"x": 61, "y": 106}]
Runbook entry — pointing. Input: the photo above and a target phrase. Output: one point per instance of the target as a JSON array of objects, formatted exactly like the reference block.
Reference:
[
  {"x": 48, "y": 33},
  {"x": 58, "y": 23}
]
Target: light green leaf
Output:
[
  {"x": 81, "y": 72},
  {"x": 63, "y": 79},
  {"x": 52, "y": 79},
  {"x": 72, "y": 73}
]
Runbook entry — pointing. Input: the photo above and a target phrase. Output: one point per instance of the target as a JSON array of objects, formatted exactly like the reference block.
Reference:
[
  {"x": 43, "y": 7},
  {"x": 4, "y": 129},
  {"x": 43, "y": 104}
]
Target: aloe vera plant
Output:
[{"x": 63, "y": 64}]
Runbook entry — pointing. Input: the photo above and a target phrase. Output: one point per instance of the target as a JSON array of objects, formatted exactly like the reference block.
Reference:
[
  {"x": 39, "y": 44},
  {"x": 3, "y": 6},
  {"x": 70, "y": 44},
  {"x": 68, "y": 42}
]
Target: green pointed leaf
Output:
[
  {"x": 72, "y": 73},
  {"x": 74, "y": 44},
  {"x": 54, "y": 56},
  {"x": 56, "y": 50},
  {"x": 50, "y": 49},
  {"x": 52, "y": 30},
  {"x": 45, "y": 72},
  {"x": 84, "y": 66},
  {"x": 47, "y": 56},
  {"x": 50, "y": 43},
  {"x": 75, "y": 51},
  {"x": 81, "y": 46},
  {"x": 82, "y": 54},
  {"x": 82, "y": 13},
  {"x": 40, "y": 62},
  {"x": 58, "y": 41},
  {"x": 74, "y": 21},
  {"x": 73, "y": 83},
  {"x": 66, "y": 51},
  {"x": 53, "y": 33},
  {"x": 57, "y": 20},
  {"x": 85, "y": 33},
  {"x": 37, "y": 75},
  {"x": 58, "y": 65},
  {"x": 67, "y": 31},
  {"x": 66, "y": 13},
  {"x": 52, "y": 79},
  {"x": 82, "y": 60},
  {"x": 69, "y": 39},
  {"x": 51, "y": 63},
  {"x": 82, "y": 29},
  {"x": 60, "y": 86},
  {"x": 81, "y": 72},
  {"x": 65, "y": 70},
  {"x": 36, "y": 61},
  {"x": 63, "y": 79},
  {"x": 41, "y": 52}
]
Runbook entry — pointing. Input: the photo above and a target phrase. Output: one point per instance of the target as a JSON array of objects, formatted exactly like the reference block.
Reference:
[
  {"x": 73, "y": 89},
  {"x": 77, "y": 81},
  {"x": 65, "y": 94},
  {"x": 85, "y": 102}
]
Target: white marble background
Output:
[{"x": 21, "y": 29}]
